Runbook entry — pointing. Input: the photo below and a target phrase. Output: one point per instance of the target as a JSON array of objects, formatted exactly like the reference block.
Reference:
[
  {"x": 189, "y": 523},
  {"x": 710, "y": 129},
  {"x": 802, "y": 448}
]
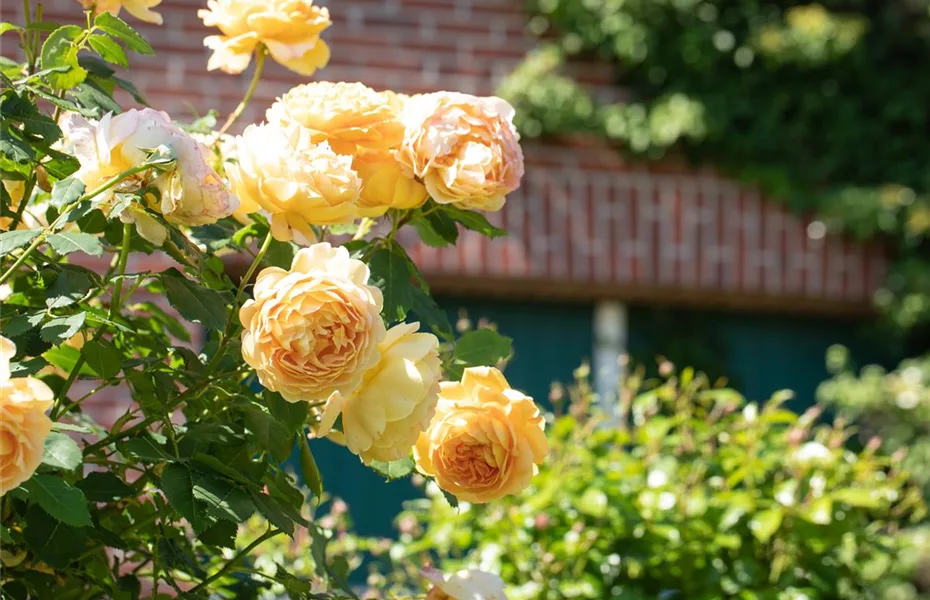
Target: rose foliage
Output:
[
  {"x": 331, "y": 333},
  {"x": 686, "y": 491}
]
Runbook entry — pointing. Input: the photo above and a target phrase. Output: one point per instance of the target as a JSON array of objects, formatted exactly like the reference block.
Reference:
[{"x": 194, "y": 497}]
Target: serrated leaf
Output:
[
  {"x": 104, "y": 486},
  {"x": 178, "y": 486},
  {"x": 147, "y": 450},
  {"x": 62, "y": 328},
  {"x": 59, "y": 51},
  {"x": 268, "y": 433},
  {"x": 103, "y": 358},
  {"x": 292, "y": 415},
  {"x": 390, "y": 273},
  {"x": 65, "y": 358},
  {"x": 472, "y": 220},
  {"x": 118, "y": 28},
  {"x": 482, "y": 347},
  {"x": 61, "y": 452},
  {"x": 11, "y": 240},
  {"x": 54, "y": 542},
  {"x": 195, "y": 302},
  {"x": 20, "y": 324},
  {"x": 221, "y": 534},
  {"x": 70, "y": 286},
  {"x": 75, "y": 241},
  {"x": 222, "y": 499},
  {"x": 108, "y": 50},
  {"x": 66, "y": 192},
  {"x": 426, "y": 309},
  {"x": 59, "y": 499},
  {"x": 309, "y": 469},
  {"x": 277, "y": 513},
  {"x": 394, "y": 469}
]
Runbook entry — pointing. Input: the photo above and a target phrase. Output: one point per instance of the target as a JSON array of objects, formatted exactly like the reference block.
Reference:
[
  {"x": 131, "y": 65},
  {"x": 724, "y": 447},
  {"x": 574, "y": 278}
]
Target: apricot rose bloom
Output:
[
  {"x": 313, "y": 330},
  {"x": 140, "y": 9},
  {"x": 464, "y": 148},
  {"x": 486, "y": 439},
  {"x": 297, "y": 184},
  {"x": 290, "y": 29},
  {"x": 396, "y": 400},
  {"x": 385, "y": 185},
  {"x": 23, "y": 422},
  {"x": 192, "y": 193},
  {"x": 350, "y": 116},
  {"x": 464, "y": 585}
]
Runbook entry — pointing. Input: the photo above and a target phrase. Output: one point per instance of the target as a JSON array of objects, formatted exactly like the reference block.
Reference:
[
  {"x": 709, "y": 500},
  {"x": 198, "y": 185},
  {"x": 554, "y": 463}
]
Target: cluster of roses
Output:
[{"x": 328, "y": 154}]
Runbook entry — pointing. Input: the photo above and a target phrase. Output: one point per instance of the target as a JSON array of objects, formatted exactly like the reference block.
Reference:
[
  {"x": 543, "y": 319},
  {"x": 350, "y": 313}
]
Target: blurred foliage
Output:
[
  {"x": 688, "y": 491},
  {"x": 823, "y": 106}
]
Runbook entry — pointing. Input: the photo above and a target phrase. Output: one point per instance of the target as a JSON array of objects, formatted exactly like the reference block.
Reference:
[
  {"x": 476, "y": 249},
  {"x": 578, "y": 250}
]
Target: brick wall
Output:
[{"x": 585, "y": 223}]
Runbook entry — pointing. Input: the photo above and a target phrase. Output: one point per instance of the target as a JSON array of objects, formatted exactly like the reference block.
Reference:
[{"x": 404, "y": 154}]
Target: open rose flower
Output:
[
  {"x": 396, "y": 400},
  {"x": 140, "y": 9},
  {"x": 297, "y": 184},
  {"x": 313, "y": 330},
  {"x": 464, "y": 585},
  {"x": 486, "y": 439},
  {"x": 350, "y": 116},
  {"x": 464, "y": 148},
  {"x": 192, "y": 193},
  {"x": 385, "y": 185},
  {"x": 290, "y": 29},
  {"x": 23, "y": 422}
]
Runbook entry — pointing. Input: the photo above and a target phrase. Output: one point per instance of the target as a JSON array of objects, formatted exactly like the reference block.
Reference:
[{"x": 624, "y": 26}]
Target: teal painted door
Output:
[
  {"x": 549, "y": 341},
  {"x": 758, "y": 354}
]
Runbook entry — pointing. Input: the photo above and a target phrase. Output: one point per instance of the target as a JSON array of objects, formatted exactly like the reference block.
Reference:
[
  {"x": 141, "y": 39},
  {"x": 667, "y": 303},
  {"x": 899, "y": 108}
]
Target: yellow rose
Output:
[
  {"x": 396, "y": 400},
  {"x": 290, "y": 29},
  {"x": 485, "y": 440},
  {"x": 313, "y": 330},
  {"x": 464, "y": 148},
  {"x": 385, "y": 185},
  {"x": 23, "y": 422},
  {"x": 464, "y": 585},
  {"x": 298, "y": 184},
  {"x": 192, "y": 193},
  {"x": 33, "y": 216},
  {"x": 349, "y": 116},
  {"x": 140, "y": 9}
]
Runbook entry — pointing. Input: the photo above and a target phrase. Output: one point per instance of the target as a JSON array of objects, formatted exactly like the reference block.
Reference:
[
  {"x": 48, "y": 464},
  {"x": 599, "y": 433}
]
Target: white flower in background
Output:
[
  {"x": 812, "y": 452},
  {"x": 656, "y": 478},
  {"x": 464, "y": 585},
  {"x": 907, "y": 399},
  {"x": 191, "y": 192}
]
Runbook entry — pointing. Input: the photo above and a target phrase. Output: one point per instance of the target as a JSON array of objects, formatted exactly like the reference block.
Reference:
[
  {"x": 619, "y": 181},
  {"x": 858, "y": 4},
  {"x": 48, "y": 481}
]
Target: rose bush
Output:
[{"x": 220, "y": 379}]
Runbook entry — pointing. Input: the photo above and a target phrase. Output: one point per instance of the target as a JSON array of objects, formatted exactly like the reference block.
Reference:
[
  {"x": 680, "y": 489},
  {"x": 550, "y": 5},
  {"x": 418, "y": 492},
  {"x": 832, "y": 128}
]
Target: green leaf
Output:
[
  {"x": 214, "y": 464},
  {"x": 436, "y": 229},
  {"x": 118, "y": 28},
  {"x": 65, "y": 358},
  {"x": 104, "y": 486},
  {"x": 146, "y": 450},
  {"x": 59, "y": 499},
  {"x": 472, "y": 220},
  {"x": 62, "y": 328},
  {"x": 178, "y": 485},
  {"x": 221, "y": 534},
  {"x": 74, "y": 241},
  {"x": 66, "y": 192},
  {"x": 763, "y": 525},
  {"x": 393, "y": 470},
  {"x": 430, "y": 313},
  {"x": 95, "y": 98},
  {"x": 292, "y": 415},
  {"x": 482, "y": 347},
  {"x": 223, "y": 499},
  {"x": 309, "y": 468},
  {"x": 20, "y": 324},
  {"x": 103, "y": 358},
  {"x": 277, "y": 512},
  {"x": 5, "y": 537},
  {"x": 70, "y": 286},
  {"x": 452, "y": 500},
  {"x": 195, "y": 302},
  {"x": 268, "y": 433},
  {"x": 11, "y": 240},
  {"x": 59, "y": 51},
  {"x": 61, "y": 452},
  {"x": 819, "y": 511},
  {"x": 108, "y": 50},
  {"x": 4, "y": 27},
  {"x": 862, "y": 497},
  {"x": 390, "y": 273},
  {"x": 52, "y": 541}
]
